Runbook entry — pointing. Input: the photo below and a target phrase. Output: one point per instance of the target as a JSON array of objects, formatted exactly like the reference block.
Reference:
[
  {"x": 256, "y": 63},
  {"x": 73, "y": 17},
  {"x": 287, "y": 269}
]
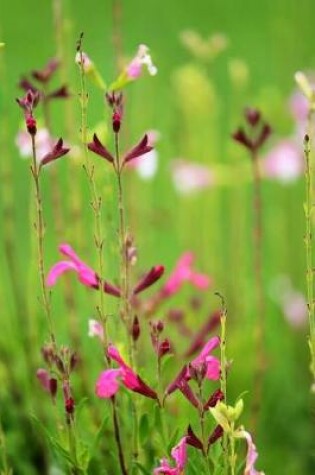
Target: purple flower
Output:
[{"x": 252, "y": 454}]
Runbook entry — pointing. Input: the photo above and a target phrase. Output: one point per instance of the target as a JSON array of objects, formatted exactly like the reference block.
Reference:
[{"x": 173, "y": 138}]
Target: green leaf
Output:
[
  {"x": 141, "y": 468},
  {"x": 144, "y": 429}
]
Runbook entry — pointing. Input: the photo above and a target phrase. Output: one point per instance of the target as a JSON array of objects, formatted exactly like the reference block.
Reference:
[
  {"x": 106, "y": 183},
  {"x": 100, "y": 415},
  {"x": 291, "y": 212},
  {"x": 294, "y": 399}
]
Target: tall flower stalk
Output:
[
  {"x": 96, "y": 200},
  {"x": 253, "y": 139},
  {"x": 309, "y": 92}
]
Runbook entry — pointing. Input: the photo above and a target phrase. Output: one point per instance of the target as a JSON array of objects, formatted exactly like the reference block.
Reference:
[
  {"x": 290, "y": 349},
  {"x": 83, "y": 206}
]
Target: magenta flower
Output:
[
  {"x": 86, "y": 275},
  {"x": 183, "y": 272},
  {"x": 107, "y": 384},
  {"x": 204, "y": 363},
  {"x": 204, "y": 358},
  {"x": 179, "y": 455}
]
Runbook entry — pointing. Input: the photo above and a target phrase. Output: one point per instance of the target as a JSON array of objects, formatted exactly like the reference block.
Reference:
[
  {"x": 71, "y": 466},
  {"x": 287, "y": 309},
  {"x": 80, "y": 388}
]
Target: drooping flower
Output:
[
  {"x": 284, "y": 162},
  {"x": 252, "y": 454},
  {"x": 86, "y": 275},
  {"x": 142, "y": 58},
  {"x": 179, "y": 455},
  {"x": 183, "y": 272},
  {"x": 107, "y": 384},
  {"x": 189, "y": 177}
]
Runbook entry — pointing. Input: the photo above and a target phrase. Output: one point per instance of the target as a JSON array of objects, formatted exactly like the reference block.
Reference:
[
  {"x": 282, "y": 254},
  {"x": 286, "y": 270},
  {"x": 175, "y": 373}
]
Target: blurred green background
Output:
[{"x": 195, "y": 105}]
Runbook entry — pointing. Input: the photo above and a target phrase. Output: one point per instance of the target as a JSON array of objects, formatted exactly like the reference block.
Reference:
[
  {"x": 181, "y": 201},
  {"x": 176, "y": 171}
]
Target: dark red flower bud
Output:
[
  {"x": 264, "y": 134},
  {"x": 159, "y": 325},
  {"x": 214, "y": 398},
  {"x": 135, "y": 329},
  {"x": 111, "y": 289},
  {"x": 69, "y": 405},
  {"x": 164, "y": 348},
  {"x": 59, "y": 364},
  {"x": 192, "y": 439},
  {"x": 116, "y": 120},
  {"x": 241, "y": 137},
  {"x": 216, "y": 434},
  {"x": 74, "y": 361},
  {"x": 53, "y": 387},
  {"x": 44, "y": 75},
  {"x": 114, "y": 99},
  {"x": 140, "y": 149},
  {"x": 31, "y": 125},
  {"x": 58, "y": 151},
  {"x": 252, "y": 116},
  {"x": 27, "y": 85},
  {"x": 97, "y": 147},
  {"x": 60, "y": 93},
  {"x": 149, "y": 279}
]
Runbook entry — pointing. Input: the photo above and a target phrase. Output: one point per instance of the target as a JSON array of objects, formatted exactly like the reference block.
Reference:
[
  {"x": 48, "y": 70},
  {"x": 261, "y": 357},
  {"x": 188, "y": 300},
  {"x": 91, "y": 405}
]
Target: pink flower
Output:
[
  {"x": 179, "y": 455},
  {"x": 147, "y": 168},
  {"x": 204, "y": 363},
  {"x": 96, "y": 329},
  {"x": 189, "y": 177},
  {"x": 183, "y": 272},
  {"x": 43, "y": 143},
  {"x": 252, "y": 455},
  {"x": 107, "y": 384},
  {"x": 284, "y": 162},
  {"x": 212, "y": 364},
  {"x": 141, "y": 59},
  {"x": 299, "y": 107},
  {"x": 86, "y": 275}
]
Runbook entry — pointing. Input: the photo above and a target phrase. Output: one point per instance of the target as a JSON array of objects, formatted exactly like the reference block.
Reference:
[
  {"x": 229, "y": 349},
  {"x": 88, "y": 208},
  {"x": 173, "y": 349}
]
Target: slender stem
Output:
[
  {"x": 260, "y": 319},
  {"x": 223, "y": 379},
  {"x": 125, "y": 285},
  {"x": 118, "y": 439},
  {"x": 96, "y": 201},
  {"x": 40, "y": 232},
  {"x": 232, "y": 452},
  {"x": 308, "y": 209}
]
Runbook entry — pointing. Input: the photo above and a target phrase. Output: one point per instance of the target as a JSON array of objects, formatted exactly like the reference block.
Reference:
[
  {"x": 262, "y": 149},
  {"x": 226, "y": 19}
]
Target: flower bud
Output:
[{"x": 135, "y": 328}]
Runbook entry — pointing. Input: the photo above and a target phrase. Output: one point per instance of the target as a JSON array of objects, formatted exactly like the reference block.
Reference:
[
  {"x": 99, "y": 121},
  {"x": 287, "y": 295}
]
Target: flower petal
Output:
[
  {"x": 57, "y": 270},
  {"x": 107, "y": 384}
]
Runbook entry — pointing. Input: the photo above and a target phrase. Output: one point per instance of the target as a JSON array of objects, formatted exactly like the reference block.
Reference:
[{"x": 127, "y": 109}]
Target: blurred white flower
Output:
[
  {"x": 189, "y": 177},
  {"x": 142, "y": 58},
  {"x": 147, "y": 165},
  {"x": 24, "y": 143},
  {"x": 96, "y": 329}
]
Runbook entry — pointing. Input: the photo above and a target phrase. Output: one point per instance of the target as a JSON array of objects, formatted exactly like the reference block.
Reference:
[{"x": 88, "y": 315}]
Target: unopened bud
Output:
[
  {"x": 164, "y": 348},
  {"x": 135, "y": 328}
]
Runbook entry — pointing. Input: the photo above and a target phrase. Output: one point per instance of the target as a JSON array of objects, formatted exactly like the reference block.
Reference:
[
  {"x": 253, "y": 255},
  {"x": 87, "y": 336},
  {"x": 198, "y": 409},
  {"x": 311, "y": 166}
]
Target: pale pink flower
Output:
[
  {"x": 291, "y": 301},
  {"x": 86, "y": 275},
  {"x": 86, "y": 61},
  {"x": 179, "y": 455},
  {"x": 42, "y": 139},
  {"x": 284, "y": 162},
  {"x": 184, "y": 272},
  {"x": 107, "y": 384},
  {"x": 252, "y": 454},
  {"x": 141, "y": 59},
  {"x": 96, "y": 329},
  {"x": 189, "y": 177},
  {"x": 299, "y": 106}
]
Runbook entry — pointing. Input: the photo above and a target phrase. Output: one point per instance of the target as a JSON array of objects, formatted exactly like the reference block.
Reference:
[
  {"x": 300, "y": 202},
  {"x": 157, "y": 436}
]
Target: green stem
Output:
[
  {"x": 308, "y": 209},
  {"x": 40, "y": 232}
]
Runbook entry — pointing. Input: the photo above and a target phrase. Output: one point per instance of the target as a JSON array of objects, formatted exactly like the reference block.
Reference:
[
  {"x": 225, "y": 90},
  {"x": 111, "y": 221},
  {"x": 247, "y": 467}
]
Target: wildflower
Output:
[
  {"x": 179, "y": 455},
  {"x": 183, "y": 272},
  {"x": 252, "y": 454},
  {"x": 82, "y": 59},
  {"x": 141, "y": 59},
  {"x": 48, "y": 383},
  {"x": 189, "y": 177},
  {"x": 28, "y": 104},
  {"x": 284, "y": 162},
  {"x": 57, "y": 151},
  {"x": 44, "y": 75},
  {"x": 107, "y": 384},
  {"x": 96, "y": 329},
  {"x": 204, "y": 364},
  {"x": 86, "y": 275}
]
